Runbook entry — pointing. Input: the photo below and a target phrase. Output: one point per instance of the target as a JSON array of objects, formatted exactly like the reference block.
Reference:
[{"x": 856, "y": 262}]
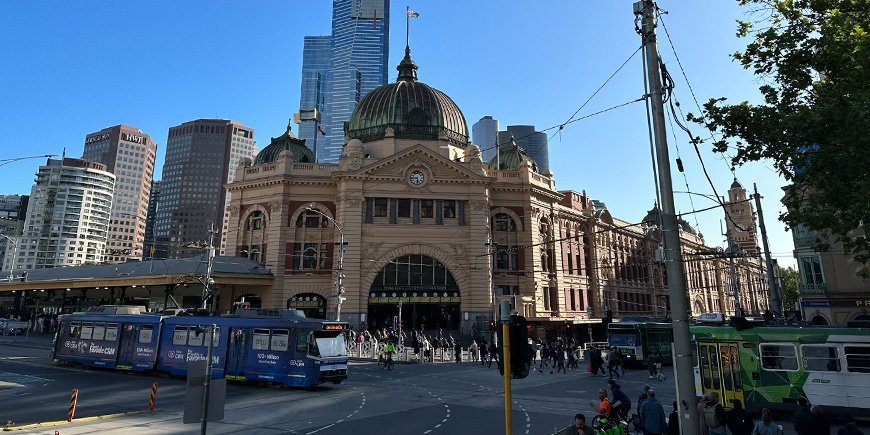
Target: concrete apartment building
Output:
[
  {"x": 68, "y": 215},
  {"x": 128, "y": 153},
  {"x": 199, "y": 155}
]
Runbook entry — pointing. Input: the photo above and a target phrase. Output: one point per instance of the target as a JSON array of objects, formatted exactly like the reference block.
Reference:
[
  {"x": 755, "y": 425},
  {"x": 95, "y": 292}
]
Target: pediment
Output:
[{"x": 440, "y": 167}]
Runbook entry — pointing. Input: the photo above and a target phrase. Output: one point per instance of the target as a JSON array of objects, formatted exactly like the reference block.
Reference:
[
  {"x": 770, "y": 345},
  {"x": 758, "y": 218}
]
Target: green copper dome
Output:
[
  {"x": 286, "y": 142},
  {"x": 411, "y": 108},
  {"x": 510, "y": 157}
]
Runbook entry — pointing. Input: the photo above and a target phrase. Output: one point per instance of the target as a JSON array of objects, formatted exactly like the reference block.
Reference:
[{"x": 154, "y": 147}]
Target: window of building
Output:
[
  {"x": 311, "y": 219},
  {"x": 255, "y": 221},
  {"x": 427, "y": 208},
  {"x": 380, "y": 207},
  {"x": 503, "y": 222},
  {"x": 309, "y": 256},
  {"x": 546, "y": 294},
  {"x": 821, "y": 358},
  {"x": 404, "y": 208},
  {"x": 811, "y": 271},
  {"x": 449, "y": 209},
  {"x": 778, "y": 357}
]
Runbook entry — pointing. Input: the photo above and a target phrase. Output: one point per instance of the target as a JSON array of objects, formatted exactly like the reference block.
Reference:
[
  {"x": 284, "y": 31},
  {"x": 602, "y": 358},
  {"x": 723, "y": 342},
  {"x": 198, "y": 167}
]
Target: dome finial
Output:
[
  {"x": 289, "y": 125},
  {"x": 407, "y": 68}
]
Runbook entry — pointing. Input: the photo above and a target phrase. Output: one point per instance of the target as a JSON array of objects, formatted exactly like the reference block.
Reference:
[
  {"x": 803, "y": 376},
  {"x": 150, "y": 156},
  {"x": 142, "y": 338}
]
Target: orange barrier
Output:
[
  {"x": 153, "y": 400},
  {"x": 73, "y": 401}
]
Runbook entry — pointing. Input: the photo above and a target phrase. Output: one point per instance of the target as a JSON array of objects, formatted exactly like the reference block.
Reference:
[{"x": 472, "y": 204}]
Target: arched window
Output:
[
  {"x": 503, "y": 223},
  {"x": 311, "y": 219},
  {"x": 256, "y": 221},
  {"x": 255, "y": 255}
]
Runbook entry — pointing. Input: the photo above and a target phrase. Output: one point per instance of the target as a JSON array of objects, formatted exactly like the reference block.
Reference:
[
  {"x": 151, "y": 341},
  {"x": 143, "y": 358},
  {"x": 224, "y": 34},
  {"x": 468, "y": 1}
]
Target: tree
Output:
[
  {"x": 790, "y": 280},
  {"x": 812, "y": 58}
]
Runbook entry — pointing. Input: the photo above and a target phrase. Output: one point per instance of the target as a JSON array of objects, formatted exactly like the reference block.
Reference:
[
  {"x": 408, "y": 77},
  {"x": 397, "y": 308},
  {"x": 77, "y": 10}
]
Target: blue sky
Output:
[{"x": 71, "y": 68}]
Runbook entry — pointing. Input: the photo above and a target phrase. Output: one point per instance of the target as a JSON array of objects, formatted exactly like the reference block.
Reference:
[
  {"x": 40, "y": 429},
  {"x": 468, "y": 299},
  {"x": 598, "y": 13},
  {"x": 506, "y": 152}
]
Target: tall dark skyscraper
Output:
[
  {"x": 199, "y": 158},
  {"x": 358, "y": 57},
  {"x": 151, "y": 220},
  {"x": 484, "y": 133},
  {"x": 534, "y": 142}
]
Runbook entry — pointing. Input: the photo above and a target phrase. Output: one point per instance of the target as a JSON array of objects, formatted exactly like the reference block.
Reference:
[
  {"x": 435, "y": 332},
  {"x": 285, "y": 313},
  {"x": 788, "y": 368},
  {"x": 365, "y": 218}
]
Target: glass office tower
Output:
[
  {"x": 316, "y": 56},
  {"x": 534, "y": 142}
]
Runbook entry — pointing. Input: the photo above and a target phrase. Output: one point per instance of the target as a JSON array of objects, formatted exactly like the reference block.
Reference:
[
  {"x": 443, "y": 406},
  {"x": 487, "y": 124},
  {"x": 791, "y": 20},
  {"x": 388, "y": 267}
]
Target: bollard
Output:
[
  {"x": 73, "y": 401},
  {"x": 153, "y": 400}
]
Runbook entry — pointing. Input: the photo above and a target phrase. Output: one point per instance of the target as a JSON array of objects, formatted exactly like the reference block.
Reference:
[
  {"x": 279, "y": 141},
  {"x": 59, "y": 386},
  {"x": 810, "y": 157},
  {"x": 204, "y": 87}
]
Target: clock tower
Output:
[{"x": 740, "y": 219}]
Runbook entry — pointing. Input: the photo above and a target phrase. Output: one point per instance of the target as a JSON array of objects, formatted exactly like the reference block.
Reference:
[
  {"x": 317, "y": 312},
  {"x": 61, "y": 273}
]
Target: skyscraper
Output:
[
  {"x": 151, "y": 221},
  {"x": 68, "y": 215},
  {"x": 13, "y": 211},
  {"x": 534, "y": 142},
  {"x": 316, "y": 55},
  {"x": 358, "y": 64},
  {"x": 129, "y": 154},
  {"x": 484, "y": 134},
  {"x": 199, "y": 157}
]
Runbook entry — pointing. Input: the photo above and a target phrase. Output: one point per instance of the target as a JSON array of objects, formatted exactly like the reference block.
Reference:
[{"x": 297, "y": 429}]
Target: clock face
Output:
[{"x": 416, "y": 178}]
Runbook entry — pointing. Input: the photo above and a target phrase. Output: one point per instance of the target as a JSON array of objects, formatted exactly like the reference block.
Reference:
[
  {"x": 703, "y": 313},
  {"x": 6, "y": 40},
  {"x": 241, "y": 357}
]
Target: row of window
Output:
[{"x": 816, "y": 357}]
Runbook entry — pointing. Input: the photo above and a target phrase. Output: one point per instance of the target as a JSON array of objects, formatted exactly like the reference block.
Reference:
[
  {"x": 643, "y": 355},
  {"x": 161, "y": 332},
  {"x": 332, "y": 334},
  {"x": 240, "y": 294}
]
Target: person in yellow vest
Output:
[{"x": 389, "y": 349}]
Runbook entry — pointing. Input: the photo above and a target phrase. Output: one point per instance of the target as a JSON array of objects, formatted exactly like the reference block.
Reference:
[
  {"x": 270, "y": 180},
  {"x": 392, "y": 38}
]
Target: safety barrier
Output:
[
  {"x": 153, "y": 400},
  {"x": 73, "y": 402}
]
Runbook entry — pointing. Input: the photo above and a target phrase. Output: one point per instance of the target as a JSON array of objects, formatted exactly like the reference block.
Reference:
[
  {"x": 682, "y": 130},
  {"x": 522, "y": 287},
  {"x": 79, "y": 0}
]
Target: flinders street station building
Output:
[{"x": 412, "y": 219}]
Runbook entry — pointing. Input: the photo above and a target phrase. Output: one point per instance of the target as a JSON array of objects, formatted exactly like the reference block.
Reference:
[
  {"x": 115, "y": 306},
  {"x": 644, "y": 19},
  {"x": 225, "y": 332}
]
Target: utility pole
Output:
[
  {"x": 775, "y": 303},
  {"x": 683, "y": 366},
  {"x": 505, "y": 311},
  {"x": 209, "y": 264},
  {"x": 735, "y": 285}
]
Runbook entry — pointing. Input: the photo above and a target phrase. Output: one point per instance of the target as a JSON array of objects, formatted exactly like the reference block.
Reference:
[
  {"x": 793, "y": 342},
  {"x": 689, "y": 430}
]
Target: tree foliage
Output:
[
  {"x": 790, "y": 279},
  {"x": 812, "y": 60}
]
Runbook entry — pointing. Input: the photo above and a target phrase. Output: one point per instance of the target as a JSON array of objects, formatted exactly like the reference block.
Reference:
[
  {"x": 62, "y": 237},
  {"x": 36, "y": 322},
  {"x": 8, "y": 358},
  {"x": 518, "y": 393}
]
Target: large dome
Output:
[
  {"x": 412, "y": 109},
  {"x": 286, "y": 142}
]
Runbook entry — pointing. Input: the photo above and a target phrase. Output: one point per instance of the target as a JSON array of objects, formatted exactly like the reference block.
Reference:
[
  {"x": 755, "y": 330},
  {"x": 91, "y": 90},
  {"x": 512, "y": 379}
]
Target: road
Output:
[{"x": 414, "y": 398}]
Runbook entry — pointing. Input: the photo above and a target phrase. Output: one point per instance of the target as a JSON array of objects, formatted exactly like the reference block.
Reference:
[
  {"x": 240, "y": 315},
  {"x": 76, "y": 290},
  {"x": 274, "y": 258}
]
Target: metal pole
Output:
[
  {"x": 683, "y": 369},
  {"x": 207, "y": 382},
  {"x": 735, "y": 287},
  {"x": 505, "y": 309},
  {"x": 339, "y": 280},
  {"x": 775, "y": 303},
  {"x": 209, "y": 265}
]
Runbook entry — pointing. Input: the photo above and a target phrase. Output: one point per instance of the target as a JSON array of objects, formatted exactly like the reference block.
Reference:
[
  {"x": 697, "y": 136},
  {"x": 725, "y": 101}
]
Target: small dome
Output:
[
  {"x": 286, "y": 142},
  {"x": 653, "y": 218},
  {"x": 413, "y": 109},
  {"x": 510, "y": 157},
  {"x": 736, "y": 184}
]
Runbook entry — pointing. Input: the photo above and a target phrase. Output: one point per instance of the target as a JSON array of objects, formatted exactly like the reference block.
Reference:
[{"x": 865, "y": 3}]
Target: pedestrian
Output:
[
  {"x": 427, "y": 352},
  {"x": 472, "y": 351},
  {"x": 738, "y": 420},
  {"x": 657, "y": 358},
  {"x": 457, "y": 350},
  {"x": 621, "y": 402},
  {"x": 822, "y": 425},
  {"x": 560, "y": 359},
  {"x": 613, "y": 363},
  {"x": 545, "y": 355},
  {"x": 674, "y": 421},
  {"x": 595, "y": 361},
  {"x": 714, "y": 416},
  {"x": 702, "y": 405},
  {"x": 765, "y": 426},
  {"x": 804, "y": 420},
  {"x": 850, "y": 428},
  {"x": 620, "y": 361},
  {"x": 579, "y": 426},
  {"x": 493, "y": 353},
  {"x": 484, "y": 352},
  {"x": 604, "y": 408},
  {"x": 652, "y": 415},
  {"x": 651, "y": 366},
  {"x": 642, "y": 397}
]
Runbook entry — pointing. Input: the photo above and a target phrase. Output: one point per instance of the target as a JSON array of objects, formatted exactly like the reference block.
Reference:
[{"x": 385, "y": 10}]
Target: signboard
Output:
[
  {"x": 334, "y": 327},
  {"x": 815, "y": 304},
  {"x": 195, "y": 392}
]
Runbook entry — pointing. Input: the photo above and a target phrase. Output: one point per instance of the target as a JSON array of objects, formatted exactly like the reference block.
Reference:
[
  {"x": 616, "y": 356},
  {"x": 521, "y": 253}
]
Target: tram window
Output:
[
  {"x": 145, "y": 333},
  {"x": 313, "y": 350},
  {"x": 179, "y": 336},
  {"x": 705, "y": 368},
  {"x": 714, "y": 367},
  {"x": 857, "y": 359},
  {"x": 778, "y": 357},
  {"x": 87, "y": 330},
  {"x": 735, "y": 367},
  {"x": 99, "y": 331},
  {"x": 111, "y": 332},
  {"x": 195, "y": 336},
  {"x": 280, "y": 338},
  {"x": 75, "y": 329},
  {"x": 821, "y": 358},
  {"x": 302, "y": 341},
  {"x": 726, "y": 368},
  {"x": 261, "y": 339}
]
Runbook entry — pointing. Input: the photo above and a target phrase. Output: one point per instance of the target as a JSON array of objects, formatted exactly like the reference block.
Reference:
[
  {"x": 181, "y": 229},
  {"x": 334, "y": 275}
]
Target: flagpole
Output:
[{"x": 407, "y": 26}]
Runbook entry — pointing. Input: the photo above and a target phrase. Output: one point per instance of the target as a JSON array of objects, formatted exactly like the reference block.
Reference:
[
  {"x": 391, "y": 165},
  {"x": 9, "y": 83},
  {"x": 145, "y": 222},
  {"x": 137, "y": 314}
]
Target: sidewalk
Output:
[{"x": 33, "y": 341}]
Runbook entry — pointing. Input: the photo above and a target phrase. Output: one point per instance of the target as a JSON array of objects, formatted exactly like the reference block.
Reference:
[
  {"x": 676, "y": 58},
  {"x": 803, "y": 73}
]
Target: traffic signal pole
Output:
[
  {"x": 683, "y": 367},
  {"x": 505, "y": 309}
]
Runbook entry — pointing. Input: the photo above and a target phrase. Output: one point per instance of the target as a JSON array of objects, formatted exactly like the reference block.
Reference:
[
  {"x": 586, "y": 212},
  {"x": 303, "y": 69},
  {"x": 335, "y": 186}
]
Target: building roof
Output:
[
  {"x": 510, "y": 157},
  {"x": 653, "y": 217},
  {"x": 412, "y": 109},
  {"x": 736, "y": 184},
  {"x": 286, "y": 142}
]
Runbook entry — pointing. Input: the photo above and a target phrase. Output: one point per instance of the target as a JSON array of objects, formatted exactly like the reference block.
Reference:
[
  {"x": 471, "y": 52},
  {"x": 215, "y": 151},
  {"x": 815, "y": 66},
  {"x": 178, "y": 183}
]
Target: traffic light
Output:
[
  {"x": 521, "y": 350},
  {"x": 608, "y": 317}
]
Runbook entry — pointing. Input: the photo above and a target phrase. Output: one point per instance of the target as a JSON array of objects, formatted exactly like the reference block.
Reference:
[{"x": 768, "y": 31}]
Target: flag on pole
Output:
[
  {"x": 412, "y": 14},
  {"x": 375, "y": 19}
]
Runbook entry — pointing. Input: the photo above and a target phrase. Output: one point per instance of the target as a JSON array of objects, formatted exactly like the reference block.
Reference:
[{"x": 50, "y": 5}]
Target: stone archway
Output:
[
  {"x": 312, "y": 304},
  {"x": 819, "y": 320}
]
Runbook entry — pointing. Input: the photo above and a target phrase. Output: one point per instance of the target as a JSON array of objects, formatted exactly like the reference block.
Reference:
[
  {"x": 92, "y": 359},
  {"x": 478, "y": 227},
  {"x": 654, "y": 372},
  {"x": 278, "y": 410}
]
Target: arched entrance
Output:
[
  {"x": 819, "y": 320},
  {"x": 425, "y": 289},
  {"x": 312, "y": 304}
]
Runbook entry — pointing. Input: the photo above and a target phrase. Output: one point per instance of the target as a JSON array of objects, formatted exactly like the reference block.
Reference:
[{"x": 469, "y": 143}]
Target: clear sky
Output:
[{"x": 72, "y": 68}]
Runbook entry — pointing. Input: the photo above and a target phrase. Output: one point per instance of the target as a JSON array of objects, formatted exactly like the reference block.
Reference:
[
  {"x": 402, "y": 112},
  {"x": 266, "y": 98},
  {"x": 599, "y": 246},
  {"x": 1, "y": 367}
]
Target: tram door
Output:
[
  {"x": 126, "y": 346},
  {"x": 720, "y": 371},
  {"x": 237, "y": 353}
]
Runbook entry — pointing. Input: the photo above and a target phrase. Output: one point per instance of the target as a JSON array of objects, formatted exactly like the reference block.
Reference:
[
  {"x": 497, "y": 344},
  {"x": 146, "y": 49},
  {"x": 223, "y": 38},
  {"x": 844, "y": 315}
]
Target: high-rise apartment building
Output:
[
  {"x": 358, "y": 64},
  {"x": 533, "y": 142},
  {"x": 316, "y": 55},
  {"x": 67, "y": 216},
  {"x": 128, "y": 153},
  {"x": 200, "y": 156},
  {"x": 13, "y": 211},
  {"x": 484, "y": 134},
  {"x": 151, "y": 221}
]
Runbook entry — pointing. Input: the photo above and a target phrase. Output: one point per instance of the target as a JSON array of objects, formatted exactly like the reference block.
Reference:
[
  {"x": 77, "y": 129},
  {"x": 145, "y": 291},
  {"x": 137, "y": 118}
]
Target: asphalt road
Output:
[{"x": 413, "y": 398}]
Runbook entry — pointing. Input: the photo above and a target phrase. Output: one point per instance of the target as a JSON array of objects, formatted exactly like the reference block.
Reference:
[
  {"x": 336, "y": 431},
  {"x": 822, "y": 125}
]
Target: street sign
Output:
[
  {"x": 332, "y": 295},
  {"x": 193, "y": 396}
]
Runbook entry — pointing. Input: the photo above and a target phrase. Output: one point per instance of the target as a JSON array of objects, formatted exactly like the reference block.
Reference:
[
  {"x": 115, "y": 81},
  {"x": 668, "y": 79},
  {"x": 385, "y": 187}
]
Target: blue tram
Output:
[{"x": 276, "y": 345}]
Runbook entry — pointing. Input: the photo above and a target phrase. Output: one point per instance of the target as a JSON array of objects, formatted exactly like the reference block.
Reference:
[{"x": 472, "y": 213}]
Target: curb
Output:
[{"x": 78, "y": 420}]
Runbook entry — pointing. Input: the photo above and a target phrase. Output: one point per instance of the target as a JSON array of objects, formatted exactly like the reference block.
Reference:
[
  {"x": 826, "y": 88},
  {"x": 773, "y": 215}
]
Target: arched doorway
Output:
[
  {"x": 312, "y": 304},
  {"x": 425, "y": 289},
  {"x": 819, "y": 320}
]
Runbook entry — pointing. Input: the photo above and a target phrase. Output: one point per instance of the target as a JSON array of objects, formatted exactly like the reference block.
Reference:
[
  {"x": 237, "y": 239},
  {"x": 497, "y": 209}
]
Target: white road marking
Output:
[{"x": 318, "y": 430}]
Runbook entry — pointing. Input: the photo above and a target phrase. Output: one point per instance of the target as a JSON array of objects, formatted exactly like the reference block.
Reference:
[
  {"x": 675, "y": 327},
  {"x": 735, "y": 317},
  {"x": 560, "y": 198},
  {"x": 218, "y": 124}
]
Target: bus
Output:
[
  {"x": 773, "y": 366},
  {"x": 273, "y": 345},
  {"x": 637, "y": 340}
]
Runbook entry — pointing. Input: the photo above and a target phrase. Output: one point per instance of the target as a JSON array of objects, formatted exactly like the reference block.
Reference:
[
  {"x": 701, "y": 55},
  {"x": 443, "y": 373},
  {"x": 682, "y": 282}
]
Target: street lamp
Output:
[{"x": 339, "y": 280}]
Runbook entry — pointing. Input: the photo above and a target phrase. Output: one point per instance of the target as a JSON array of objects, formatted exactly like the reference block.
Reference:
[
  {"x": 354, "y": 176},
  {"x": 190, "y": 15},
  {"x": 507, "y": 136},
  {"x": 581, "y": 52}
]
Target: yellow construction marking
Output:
[{"x": 78, "y": 420}]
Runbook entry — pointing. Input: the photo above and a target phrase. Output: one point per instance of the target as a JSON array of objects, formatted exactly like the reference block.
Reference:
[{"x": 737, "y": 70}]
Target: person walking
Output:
[
  {"x": 766, "y": 426},
  {"x": 674, "y": 421},
  {"x": 472, "y": 351},
  {"x": 738, "y": 420},
  {"x": 612, "y": 363},
  {"x": 702, "y": 405},
  {"x": 493, "y": 354},
  {"x": 620, "y": 361},
  {"x": 484, "y": 352},
  {"x": 652, "y": 415},
  {"x": 545, "y": 355},
  {"x": 714, "y": 416},
  {"x": 560, "y": 360},
  {"x": 822, "y": 425},
  {"x": 621, "y": 402},
  {"x": 804, "y": 420},
  {"x": 642, "y": 397},
  {"x": 657, "y": 358},
  {"x": 457, "y": 351}
]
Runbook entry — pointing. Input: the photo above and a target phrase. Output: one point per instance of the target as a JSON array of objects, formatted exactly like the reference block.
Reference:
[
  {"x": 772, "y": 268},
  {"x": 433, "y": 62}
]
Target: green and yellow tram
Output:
[
  {"x": 638, "y": 340},
  {"x": 773, "y": 366}
]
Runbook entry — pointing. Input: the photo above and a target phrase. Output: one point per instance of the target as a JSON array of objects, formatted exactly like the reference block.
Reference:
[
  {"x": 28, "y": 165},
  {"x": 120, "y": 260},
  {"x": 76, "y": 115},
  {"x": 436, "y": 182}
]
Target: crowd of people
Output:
[{"x": 40, "y": 321}]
